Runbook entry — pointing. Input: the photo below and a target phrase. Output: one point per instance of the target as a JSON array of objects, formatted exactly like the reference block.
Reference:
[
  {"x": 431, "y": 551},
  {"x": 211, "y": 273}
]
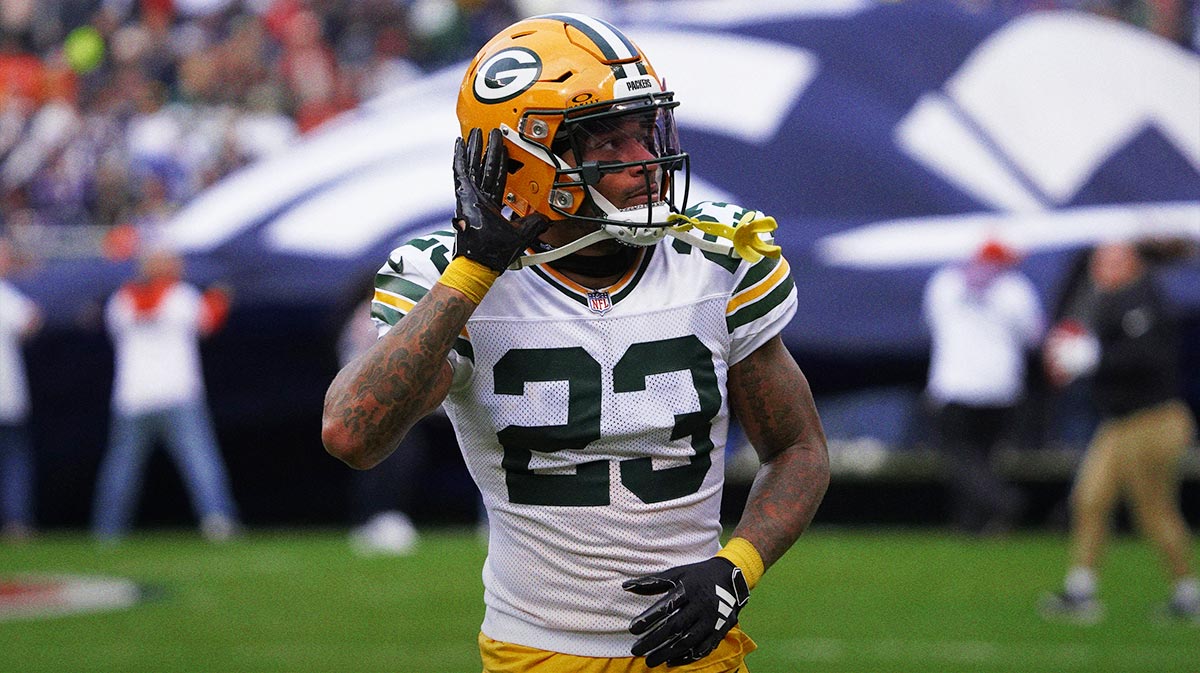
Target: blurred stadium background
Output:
[{"x": 284, "y": 146}]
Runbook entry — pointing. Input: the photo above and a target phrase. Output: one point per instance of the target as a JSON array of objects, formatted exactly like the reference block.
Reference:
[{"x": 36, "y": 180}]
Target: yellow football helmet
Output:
[{"x": 549, "y": 83}]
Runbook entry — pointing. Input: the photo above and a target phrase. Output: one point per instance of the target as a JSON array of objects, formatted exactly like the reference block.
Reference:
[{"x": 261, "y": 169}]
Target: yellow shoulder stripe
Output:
[
  {"x": 394, "y": 300},
  {"x": 759, "y": 289}
]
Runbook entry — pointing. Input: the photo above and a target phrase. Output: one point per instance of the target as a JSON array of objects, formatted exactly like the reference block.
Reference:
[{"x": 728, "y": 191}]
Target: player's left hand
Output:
[{"x": 701, "y": 604}]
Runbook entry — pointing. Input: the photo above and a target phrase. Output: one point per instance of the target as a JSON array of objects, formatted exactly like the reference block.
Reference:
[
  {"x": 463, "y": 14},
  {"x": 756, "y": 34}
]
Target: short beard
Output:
[{"x": 597, "y": 266}]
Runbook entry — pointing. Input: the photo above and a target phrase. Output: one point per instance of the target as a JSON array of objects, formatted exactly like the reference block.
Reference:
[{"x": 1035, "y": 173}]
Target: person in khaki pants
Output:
[{"x": 1122, "y": 335}]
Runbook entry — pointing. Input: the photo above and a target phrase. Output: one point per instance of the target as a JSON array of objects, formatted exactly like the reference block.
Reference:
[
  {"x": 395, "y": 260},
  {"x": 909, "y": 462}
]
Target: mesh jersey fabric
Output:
[{"x": 594, "y": 424}]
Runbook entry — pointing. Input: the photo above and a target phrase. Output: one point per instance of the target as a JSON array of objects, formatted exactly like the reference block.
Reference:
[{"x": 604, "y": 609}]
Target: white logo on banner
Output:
[{"x": 1024, "y": 124}]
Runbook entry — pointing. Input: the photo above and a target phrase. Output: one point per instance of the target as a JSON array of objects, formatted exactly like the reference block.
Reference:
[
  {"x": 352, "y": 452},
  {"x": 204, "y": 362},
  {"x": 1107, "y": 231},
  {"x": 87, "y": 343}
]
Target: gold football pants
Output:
[{"x": 499, "y": 657}]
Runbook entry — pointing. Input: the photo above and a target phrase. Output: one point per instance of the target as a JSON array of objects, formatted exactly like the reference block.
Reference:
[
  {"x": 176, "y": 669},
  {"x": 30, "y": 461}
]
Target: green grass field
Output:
[{"x": 842, "y": 600}]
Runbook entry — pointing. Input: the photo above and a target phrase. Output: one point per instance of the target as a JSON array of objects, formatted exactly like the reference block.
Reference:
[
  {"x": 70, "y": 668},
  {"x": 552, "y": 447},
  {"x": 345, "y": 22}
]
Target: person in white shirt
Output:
[
  {"x": 155, "y": 323},
  {"x": 20, "y": 318},
  {"x": 983, "y": 316}
]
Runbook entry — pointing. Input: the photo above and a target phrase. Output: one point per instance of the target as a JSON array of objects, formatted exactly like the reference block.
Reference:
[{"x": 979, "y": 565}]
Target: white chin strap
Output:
[
  {"x": 624, "y": 229},
  {"x": 558, "y": 253},
  {"x": 719, "y": 247}
]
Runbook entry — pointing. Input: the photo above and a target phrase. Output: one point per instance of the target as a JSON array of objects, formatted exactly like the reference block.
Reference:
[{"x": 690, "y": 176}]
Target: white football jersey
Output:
[{"x": 594, "y": 424}]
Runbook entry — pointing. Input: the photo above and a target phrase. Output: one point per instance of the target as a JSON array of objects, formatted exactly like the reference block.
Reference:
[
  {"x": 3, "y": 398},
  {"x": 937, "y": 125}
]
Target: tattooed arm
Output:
[
  {"x": 376, "y": 399},
  {"x": 771, "y": 399}
]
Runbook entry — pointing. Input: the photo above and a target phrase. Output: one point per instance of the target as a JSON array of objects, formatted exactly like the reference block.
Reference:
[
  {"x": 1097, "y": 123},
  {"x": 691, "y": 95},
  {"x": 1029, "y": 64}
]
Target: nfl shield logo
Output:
[{"x": 599, "y": 301}]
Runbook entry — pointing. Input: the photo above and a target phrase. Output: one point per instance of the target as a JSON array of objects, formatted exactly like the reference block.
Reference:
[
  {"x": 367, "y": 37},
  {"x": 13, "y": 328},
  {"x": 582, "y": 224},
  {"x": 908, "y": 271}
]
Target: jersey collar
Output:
[{"x": 616, "y": 292}]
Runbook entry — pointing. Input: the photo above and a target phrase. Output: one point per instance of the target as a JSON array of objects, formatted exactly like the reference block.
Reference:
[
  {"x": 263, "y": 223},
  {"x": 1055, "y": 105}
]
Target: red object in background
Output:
[
  {"x": 995, "y": 252},
  {"x": 148, "y": 294},
  {"x": 215, "y": 310},
  {"x": 22, "y": 593},
  {"x": 1069, "y": 327},
  {"x": 22, "y": 75},
  {"x": 280, "y": 15},
  {"x": 165, "y": 8},
  {"x": 311, "y": 115},
  {"x": 59, "y": 83}
]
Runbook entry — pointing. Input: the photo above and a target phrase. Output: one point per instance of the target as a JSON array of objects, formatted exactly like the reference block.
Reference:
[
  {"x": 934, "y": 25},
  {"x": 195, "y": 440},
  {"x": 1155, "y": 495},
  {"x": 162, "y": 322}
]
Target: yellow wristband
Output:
[
  {"x": 742, "y": 554},
  {"x": 469, "y": 277}
]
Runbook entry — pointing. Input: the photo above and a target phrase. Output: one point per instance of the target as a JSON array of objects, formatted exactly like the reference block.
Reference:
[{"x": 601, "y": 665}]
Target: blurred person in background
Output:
[
  {"x": 155, "y": 323},
  {"x": 1174, "y": 20},
  {"x": 388, "y": 66},
  {"x": 318, "y": 87},
  {"x": 1170, "y": 19},
  {"x": 984, "y": 319},
  {"x": 1119, "y": 332},
  {"x": 20, "y": 319},
  {"x": 591, "y": 392}
]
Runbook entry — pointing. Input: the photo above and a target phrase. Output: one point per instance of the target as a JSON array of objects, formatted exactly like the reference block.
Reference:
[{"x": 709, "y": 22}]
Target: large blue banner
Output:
[{"x": 885, "y": 139}]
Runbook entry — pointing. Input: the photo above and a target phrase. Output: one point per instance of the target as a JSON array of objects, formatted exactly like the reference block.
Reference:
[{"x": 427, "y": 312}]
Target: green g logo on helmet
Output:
[{"x": 506, "y": 74}]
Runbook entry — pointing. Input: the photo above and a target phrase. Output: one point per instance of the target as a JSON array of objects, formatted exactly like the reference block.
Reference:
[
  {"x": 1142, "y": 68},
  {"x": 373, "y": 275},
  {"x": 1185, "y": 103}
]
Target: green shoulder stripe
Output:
[
  {"x": 756, "y": 310},
  {"x": 400, "y": 286},
  {"x": 760, "y": 270},
  {"x": 385, "y": 313}
]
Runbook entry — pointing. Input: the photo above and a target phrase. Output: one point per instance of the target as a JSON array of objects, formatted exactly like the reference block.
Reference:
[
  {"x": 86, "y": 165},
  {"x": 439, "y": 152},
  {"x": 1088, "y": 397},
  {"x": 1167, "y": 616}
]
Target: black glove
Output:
[
  {"x": 701, "y": 604},
  {"x": 482, "y": 233}
]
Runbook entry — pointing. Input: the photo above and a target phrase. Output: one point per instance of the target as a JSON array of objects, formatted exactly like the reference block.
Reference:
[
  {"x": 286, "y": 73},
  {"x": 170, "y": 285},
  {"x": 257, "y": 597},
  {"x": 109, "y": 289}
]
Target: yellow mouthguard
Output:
[{"x": 743, "y": 235}]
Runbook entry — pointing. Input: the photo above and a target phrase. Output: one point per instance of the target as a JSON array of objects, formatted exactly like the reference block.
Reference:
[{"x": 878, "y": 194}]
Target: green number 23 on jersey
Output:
[{"x": 589, "y": 485}]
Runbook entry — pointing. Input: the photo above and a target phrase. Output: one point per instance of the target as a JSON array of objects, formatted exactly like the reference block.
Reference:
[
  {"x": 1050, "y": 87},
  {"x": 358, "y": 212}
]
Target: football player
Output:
[{"x": 589, "y": 336}]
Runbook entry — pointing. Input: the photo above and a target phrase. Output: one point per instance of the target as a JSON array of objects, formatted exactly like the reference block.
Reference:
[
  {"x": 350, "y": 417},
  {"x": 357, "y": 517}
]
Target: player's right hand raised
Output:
[{"x": 482, "y": 232}]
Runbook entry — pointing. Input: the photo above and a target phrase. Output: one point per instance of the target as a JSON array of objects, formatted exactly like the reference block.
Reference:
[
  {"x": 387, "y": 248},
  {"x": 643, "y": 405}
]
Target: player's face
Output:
[
  {"x": 1114, "y": 265},
  {"x": 621, "y": 140},
  {"x": 162, "y": 264}
]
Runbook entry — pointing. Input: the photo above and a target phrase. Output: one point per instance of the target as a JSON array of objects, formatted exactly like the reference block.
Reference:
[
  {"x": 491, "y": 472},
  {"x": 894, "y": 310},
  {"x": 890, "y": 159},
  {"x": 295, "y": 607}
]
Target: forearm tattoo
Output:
[
  {"x": 775, "y": 407},
  {"x": 402, "y": 377}
]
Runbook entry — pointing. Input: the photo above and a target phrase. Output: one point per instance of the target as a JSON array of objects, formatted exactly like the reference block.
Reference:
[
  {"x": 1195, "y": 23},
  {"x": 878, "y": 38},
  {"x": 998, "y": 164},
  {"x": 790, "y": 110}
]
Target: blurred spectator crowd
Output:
[
  {"x": 113, "y": 113},
  {"x": 1175, "y": 20},
  {"x": 116, "y": 112}
]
